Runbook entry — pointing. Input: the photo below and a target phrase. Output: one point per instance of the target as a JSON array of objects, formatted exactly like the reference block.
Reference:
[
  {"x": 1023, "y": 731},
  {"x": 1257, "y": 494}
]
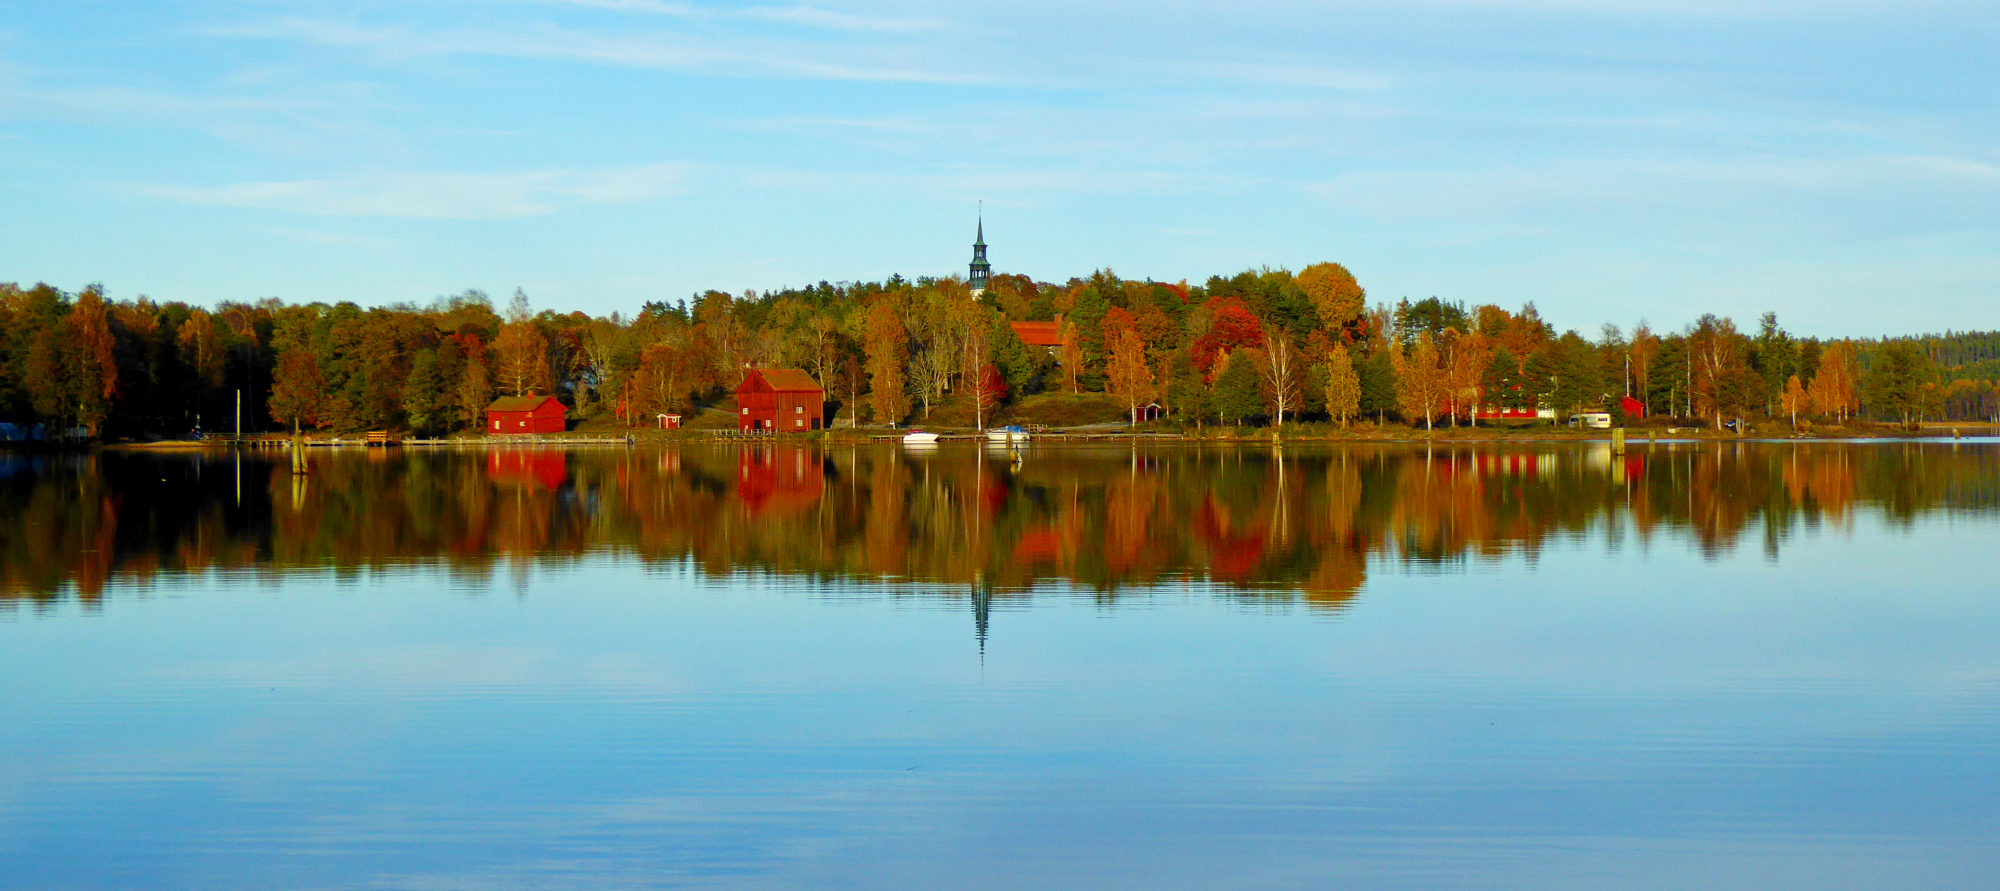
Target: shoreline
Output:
[{"x": 1224, "y": 436}]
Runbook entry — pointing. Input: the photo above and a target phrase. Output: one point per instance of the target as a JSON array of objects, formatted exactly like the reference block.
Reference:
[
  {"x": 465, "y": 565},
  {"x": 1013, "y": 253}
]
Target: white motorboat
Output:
[
  {"x": 919, "y": 437},
  {"x": 1009, "y": 433}
]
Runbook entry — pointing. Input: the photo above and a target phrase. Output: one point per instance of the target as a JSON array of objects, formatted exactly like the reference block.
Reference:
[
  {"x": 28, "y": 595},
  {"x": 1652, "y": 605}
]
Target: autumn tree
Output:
[
  {"x": 887, "y": 346},
  {"x": 1793, "y": 399},
  {"x": 724, "y": 340},
  {"x": 603, "y": 344},
  {"x": 1342, "y": 385},
  {"x": 298, "y": 393},
  {"x": 987, "y": 390},
  {"x": 1230, "y": 326},
  {"x": 1464, "y": 357},
  {"x": 520, "y": 351},
  {"x": 474, "y": 391},
  {"x": 1719, "y": 368},
  {"x": 1280, "y": 371},
  {"x": 1336, "y": 296},
  {"x": 986, "y": 386},
  {"x": 1072, "y": 355},
  {"x": 93, "y": 361},
  {"x": 938, "y": 325},
  {"x": 1131, "y": 378},
  {"x": 664, "y": 377},
  {"x": 1420, "y": 381},
  {"x": 201, "y": 348},
  {"x": 1833, "y": 392},
  {"x": 1644, "y": 346}
]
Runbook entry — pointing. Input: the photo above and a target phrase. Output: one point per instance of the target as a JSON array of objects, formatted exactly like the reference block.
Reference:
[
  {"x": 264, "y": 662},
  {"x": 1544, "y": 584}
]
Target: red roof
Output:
[
  {"x": 519, "y": 403},
  {"x": 1046, "y": 334},
  {"x": 783, "y": 380}
]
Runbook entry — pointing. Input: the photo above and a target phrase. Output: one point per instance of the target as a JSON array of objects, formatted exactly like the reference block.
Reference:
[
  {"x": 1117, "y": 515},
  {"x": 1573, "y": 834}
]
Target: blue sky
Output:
[{"x": 1835, "y": 161}]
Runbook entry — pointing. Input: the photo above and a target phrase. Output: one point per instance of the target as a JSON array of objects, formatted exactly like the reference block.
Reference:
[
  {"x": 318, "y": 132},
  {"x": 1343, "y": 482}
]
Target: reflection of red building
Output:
[
  {"x": 1232, "y": 553},
  {"x": 510, "y": 415},
  {"x": 779, "y": 400},
  {"x": 1038, "y": 545},
  {"x": 778, "y": 480},
  {"x": 1512, "y": 464},
  {"x": 533, "y": 468}
]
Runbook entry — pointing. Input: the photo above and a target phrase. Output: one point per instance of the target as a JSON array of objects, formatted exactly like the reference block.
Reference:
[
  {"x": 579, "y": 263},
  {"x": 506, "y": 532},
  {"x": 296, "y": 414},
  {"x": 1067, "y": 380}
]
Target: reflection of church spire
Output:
[{"x": 982, "y": 610}]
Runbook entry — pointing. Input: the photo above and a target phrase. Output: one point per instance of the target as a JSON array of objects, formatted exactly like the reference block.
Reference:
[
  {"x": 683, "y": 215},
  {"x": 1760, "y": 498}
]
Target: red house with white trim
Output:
[
  {"x": 519, "y": 415},
  {"x": 779, "y": 400}
]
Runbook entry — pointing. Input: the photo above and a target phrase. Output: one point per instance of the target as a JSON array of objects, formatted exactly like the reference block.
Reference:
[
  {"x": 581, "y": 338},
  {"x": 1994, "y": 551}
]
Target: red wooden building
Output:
[
  {"x": 510, "y": 415},
  {"x": 1047, "y": 335},
  {"x": 779, "y": 400}
]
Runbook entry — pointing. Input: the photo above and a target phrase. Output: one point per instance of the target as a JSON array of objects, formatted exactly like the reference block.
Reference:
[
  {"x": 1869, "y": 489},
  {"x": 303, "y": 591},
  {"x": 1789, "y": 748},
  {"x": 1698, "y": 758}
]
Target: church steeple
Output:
[{"x": 981, "y": 270}]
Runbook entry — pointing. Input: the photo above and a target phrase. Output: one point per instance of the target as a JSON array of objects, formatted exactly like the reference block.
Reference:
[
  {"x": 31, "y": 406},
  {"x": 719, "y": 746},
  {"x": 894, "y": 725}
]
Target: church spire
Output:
[{"x": 980, "y": 270}]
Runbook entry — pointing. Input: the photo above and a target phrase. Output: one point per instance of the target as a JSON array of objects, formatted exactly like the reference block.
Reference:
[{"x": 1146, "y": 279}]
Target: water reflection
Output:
[{"x": 1299, "y": 523}]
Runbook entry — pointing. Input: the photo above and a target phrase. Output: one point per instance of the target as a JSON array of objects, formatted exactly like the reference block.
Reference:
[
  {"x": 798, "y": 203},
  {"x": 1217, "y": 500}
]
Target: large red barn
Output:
[
  {"x": 512, "y": 415},
  {"x": 779, "y": 400}
]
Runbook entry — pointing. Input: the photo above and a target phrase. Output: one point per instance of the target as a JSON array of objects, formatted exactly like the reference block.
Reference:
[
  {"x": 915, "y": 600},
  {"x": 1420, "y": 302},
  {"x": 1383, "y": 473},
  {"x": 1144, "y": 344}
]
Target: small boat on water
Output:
[
  {"x": 919, "y": 437},
  {"x": 1009, "y": 433}
]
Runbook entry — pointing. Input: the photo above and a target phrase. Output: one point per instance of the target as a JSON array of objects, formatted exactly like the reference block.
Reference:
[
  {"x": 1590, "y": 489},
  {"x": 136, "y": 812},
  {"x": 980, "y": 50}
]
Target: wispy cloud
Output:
[
  {"x": 300, "y": 124},
  {"x": 1292, "y": 74},
  {"x": 805, "y": 125},
  {"x": 664, "y": 51},
  {"x": 462, "y": 196},
  {"x": 1917, "y": 192},
  {"x": 802, "y": 15}
]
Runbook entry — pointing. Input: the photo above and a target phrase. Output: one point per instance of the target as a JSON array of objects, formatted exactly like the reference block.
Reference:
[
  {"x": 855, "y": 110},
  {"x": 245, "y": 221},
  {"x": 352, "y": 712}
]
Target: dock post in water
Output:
[{"x": 1618, "y": 441}]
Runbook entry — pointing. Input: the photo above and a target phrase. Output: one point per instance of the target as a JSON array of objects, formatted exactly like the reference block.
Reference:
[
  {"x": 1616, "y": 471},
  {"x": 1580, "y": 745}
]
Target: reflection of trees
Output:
[{"x": 1293, "y": 525}]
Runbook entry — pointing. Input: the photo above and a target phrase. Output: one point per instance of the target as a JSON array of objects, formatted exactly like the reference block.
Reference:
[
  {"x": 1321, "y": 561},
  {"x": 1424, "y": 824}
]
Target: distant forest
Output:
[{"x": 1263, "y": 346}]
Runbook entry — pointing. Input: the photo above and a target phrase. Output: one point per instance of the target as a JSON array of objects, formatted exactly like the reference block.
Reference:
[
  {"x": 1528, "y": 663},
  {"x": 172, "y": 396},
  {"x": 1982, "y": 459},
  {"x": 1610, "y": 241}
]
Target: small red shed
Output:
[
  {"x": 779, "y": 400},
  {"x": 1633, "y": 408},
  {"x": 510, "y": 415}
]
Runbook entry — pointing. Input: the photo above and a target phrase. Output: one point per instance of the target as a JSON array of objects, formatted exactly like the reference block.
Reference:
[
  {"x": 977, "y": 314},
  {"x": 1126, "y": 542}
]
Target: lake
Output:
[{"x": 1693, "y": 665}]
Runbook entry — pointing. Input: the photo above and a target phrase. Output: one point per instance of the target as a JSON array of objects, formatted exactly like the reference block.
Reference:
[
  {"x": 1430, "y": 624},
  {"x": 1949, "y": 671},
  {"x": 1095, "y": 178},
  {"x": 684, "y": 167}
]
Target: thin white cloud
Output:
[
  {"x": 663, "y": 51},
  {"x": 299, "y": 125},
  {"x": 1295, "y": 74},
  {"x": 461, "y": 196},
  {"x": 800, "y": 14},
  {"x": 810, "y": 125},
  {"x": 1932, "y": 192},
  {"x": 816, "y": 17}
]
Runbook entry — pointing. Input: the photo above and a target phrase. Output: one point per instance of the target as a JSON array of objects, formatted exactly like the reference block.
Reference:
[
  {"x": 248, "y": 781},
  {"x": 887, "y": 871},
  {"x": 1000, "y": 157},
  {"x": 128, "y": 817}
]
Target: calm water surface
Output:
[{"x": 1708, "y": 665}]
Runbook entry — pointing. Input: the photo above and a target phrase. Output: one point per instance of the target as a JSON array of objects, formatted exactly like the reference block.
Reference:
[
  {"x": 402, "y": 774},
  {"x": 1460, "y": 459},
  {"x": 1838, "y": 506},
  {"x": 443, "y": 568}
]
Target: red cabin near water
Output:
[
  {"x": 514, "y": 415},
  {"x": 779, "y": 400}
]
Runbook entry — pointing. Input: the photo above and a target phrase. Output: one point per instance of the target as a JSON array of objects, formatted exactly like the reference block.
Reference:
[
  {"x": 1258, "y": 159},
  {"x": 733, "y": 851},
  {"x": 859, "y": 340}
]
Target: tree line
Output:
[{"x": 1264, "y": 346}]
